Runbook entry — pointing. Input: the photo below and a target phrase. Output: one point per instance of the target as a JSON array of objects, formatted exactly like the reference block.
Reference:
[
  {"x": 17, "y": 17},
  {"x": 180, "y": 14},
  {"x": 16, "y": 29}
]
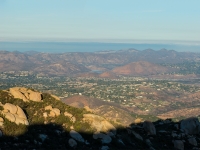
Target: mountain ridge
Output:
[{"x": 18, "y": 61}]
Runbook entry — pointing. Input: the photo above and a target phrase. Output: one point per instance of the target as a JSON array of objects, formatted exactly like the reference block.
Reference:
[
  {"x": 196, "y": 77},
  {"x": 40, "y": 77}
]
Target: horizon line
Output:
[{"x": 120, "y": 41}]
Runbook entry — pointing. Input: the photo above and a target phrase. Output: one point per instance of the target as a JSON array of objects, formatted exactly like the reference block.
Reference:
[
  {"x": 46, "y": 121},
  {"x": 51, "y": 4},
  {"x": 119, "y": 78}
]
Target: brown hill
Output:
[
  {"x": 184, "y": 113},
  {"x": 87, "y": 75},
  {"x": 108, "y": 74},
  {"x": 81, "y": 101},
  {"x": 140, "y": 68},
  {"x": 110, "y": 111}
]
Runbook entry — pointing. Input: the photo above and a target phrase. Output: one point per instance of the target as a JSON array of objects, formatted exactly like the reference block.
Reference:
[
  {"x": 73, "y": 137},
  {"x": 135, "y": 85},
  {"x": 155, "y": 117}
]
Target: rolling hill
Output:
[
  {"x": 140, "y": 68},
  {"x": 85, "y": 62}
]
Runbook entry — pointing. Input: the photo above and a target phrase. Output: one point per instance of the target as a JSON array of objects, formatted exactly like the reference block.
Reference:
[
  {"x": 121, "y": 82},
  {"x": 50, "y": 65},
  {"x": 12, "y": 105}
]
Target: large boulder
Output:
[
  {"x": 52, "y": 114},
  {"x": 19, "y": 120},
  {"x": 17, "y": 94},
  {"x": 12, "y": 108},
  {"x": 14, "y": 114},
  {"x": 72, "y": 118},
  {"x": 56, "y": 111},
  {"x": 72, "y": 143},
  {"x": 68, "y": 114},
  {"x": 193, "y": 141},
  {"x": 1, "y": 121},
  {"x": 43, "y": 137},
  {"x": 99, "y": 123},
  {"x": 105, "y": 139},
  {"x": 35, "y": 96},
  {"x": 149, "y": 127},
  {"x": 190, "y": 125},
  {"x": 75, "y": 135},
  {"x": 178, "y": 144},
  {"x": 9, "y": 116},
  {"x": 20, "y": 113},
  {"x": 49, "y": 107},
  {"x": 25, "y": 94},
  {"x": 53, "y": 111},
  {"x": 137, "y": 135}
]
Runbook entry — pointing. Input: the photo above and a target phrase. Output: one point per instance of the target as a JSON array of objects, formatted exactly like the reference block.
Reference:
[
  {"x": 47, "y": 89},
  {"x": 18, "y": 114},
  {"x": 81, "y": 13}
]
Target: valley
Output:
[
  {"x": 150, "y": 84},
  {"x": 129, "y": 98},
  {"x": 137, "y": 95}
]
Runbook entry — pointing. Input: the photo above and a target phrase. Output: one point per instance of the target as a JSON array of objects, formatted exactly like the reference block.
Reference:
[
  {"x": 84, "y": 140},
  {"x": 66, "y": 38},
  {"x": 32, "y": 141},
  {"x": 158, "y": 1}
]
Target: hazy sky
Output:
[{"x": 100, "y": 20}]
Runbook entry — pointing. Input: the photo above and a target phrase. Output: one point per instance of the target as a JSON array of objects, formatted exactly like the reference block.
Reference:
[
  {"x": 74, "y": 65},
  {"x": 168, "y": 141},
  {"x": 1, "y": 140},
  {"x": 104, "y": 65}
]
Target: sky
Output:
[{"x": 131, "y": 21}]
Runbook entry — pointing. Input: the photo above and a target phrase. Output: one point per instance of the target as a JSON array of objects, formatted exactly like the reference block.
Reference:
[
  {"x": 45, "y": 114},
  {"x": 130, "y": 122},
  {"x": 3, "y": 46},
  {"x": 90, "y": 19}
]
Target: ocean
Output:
[{"x": 61, "y": 47}]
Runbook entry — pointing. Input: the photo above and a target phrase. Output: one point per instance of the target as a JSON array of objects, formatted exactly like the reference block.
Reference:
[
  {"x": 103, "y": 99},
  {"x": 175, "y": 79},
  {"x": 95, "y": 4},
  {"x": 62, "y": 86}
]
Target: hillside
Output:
[
  {"x": 111, "y": 111},
  {"x": 33, "y": 120},
  {"x": 140, "y": 68}
]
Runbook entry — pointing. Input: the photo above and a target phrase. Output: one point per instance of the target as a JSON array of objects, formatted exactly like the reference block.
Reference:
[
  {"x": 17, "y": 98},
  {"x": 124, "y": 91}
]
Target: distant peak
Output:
[{"x": 163, "y": 49}]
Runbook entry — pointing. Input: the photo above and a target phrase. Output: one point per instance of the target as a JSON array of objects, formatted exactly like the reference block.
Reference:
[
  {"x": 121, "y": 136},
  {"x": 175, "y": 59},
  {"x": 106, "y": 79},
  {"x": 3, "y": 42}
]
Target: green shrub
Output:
[{"x": 12, "y": 129}]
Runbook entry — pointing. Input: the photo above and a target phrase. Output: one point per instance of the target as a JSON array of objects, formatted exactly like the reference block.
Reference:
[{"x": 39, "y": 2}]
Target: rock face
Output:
[
  {"x": 25, "y": 94},
  {"x": 14, "y": 114},
  {"x": 149, "y": 128},
  {"x": 190, "y": 125},
  {"x": 99, "y": 123}
]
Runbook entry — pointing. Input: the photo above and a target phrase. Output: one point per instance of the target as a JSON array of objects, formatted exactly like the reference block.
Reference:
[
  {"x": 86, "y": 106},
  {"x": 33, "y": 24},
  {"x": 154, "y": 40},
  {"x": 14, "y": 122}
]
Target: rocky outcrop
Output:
[
  {"x": 190, "y": 125},
  {"x": 14, "y": 114},
  {"x": 99, "y": 123},
  {"x": 54, "y": 133},
  {"x": 25, "y": 94},
  {"x": 53, "y": 111},
  {"x": 72, "y": 118}
]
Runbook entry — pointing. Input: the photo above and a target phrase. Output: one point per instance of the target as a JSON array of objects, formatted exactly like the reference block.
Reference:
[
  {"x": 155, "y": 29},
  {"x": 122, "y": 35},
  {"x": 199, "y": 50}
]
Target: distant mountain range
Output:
[{"x": 110, "y": 63}]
